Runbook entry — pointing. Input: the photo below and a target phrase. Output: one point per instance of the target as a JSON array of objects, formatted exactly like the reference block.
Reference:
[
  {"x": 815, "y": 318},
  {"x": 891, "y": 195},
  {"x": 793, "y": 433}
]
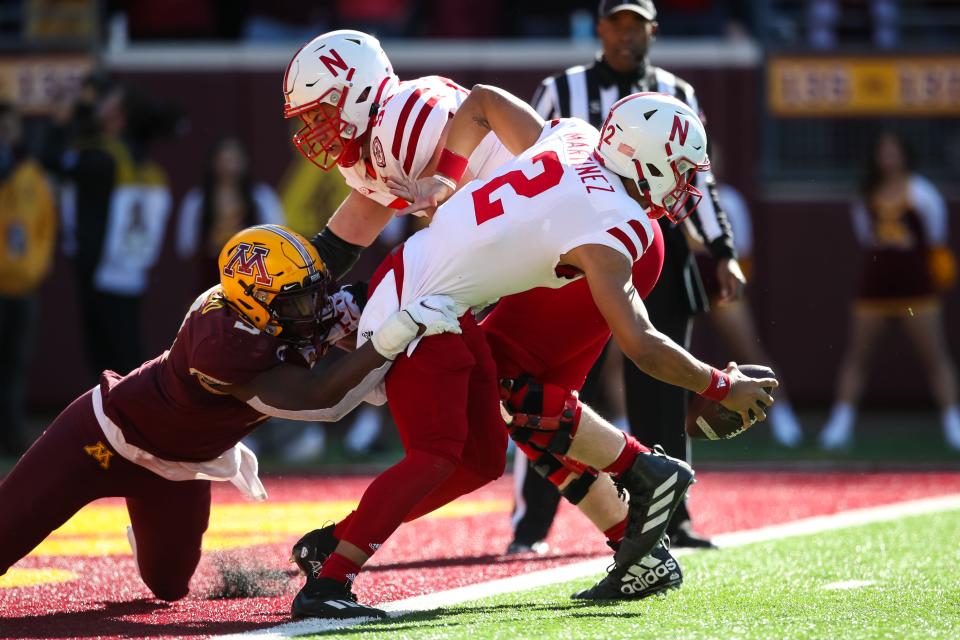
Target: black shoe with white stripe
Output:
[
  {"x": 654, "y": 574},
  {"x": 313, "y": 549},
  {"x": 657, "y": 484},
  {"x": 327, "y": 598}
]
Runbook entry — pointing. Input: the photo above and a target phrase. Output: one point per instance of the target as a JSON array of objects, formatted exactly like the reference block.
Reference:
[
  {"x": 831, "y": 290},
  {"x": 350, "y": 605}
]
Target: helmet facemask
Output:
[
  {"x": 298, "y": 316},
  {"x": 327, "y": 140},
  {"x": 674, "y": 204}
]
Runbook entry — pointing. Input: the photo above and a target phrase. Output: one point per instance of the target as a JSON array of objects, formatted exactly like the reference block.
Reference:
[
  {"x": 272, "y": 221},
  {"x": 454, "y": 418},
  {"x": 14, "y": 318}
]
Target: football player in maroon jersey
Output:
[{"x": 158, "y": 435}]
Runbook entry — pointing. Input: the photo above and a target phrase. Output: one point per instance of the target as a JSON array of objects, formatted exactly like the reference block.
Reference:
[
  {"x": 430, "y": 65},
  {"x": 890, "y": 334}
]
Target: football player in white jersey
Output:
[
  {"x": 554, "y": 213},
  {"x": 359, "y": 117}
]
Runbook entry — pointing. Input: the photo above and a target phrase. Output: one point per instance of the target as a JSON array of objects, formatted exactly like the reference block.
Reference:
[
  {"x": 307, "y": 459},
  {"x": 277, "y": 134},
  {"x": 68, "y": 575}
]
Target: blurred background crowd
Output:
[{"x": 136, "y": 136}]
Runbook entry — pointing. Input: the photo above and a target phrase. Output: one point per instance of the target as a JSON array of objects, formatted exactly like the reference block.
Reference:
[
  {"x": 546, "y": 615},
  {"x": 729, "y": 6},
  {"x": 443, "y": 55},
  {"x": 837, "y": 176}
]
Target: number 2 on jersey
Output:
[{"x": 487, "y": 209}]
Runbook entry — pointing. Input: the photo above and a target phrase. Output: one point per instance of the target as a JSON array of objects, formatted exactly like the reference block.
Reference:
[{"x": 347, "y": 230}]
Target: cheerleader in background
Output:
[{"x": 901, "y": 224}]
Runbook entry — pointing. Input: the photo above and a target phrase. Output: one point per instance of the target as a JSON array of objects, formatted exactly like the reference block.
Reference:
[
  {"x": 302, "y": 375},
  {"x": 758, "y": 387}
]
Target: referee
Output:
[{"x": 656, "y": 411}]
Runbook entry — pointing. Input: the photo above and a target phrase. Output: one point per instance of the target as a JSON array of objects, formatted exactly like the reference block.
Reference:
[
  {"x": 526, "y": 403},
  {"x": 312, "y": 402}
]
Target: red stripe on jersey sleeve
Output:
[
  {"x": 399, "y": 203},
  {"x": 402, "y": 121},
  {"x": 641, "y": 232},
  {"x": 620, "y": 235},
  {"x": 414, "y": 138}
]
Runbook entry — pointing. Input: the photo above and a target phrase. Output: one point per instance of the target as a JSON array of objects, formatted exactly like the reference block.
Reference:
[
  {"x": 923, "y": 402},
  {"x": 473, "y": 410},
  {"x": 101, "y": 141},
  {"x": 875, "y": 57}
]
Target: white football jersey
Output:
[
  {"x": 405, "y": 135},
  {"x": 504, "y": 235}
]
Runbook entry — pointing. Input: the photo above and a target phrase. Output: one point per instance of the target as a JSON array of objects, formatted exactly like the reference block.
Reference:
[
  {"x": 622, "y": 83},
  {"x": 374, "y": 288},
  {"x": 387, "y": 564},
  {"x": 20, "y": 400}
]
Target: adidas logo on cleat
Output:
[{"x": 639, "y": 578}]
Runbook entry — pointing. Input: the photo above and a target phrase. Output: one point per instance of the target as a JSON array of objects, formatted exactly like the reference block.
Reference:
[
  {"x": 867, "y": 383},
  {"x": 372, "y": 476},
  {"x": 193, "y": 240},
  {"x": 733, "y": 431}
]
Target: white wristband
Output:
[
  {"x": 444, "y": 180},
  {"x": 394, "y": 334}
]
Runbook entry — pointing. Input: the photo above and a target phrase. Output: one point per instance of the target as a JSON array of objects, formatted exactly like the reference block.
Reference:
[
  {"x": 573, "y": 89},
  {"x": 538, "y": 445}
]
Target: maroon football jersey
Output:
[{"x": 172, "y": 407}]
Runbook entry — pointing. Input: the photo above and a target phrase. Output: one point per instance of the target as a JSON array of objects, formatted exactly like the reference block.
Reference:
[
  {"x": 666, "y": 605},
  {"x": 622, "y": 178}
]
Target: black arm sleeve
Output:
[{"x": 337, "y": 254}]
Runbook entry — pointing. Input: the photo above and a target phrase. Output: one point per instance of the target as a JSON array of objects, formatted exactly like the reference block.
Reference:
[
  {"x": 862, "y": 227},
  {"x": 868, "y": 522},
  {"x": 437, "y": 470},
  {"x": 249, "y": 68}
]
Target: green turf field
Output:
[{"x": 766, "y": 590}]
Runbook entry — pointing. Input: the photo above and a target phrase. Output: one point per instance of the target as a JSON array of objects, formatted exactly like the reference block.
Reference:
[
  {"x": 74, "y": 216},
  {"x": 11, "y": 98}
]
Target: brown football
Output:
[{"x": 709, "y": 420}]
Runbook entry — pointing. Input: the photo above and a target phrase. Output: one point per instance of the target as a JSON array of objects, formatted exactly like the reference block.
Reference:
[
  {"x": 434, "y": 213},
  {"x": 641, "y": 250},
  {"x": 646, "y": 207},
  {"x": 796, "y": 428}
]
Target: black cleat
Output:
[
  {"x": 327, "y": 598},
  {"x": 313, "y": 549},
  {"x": 657, "y": 484},
  {"x": 654, "y": 574},
  {"x": 517, "y": 547},
  {"x": 685, "y": 537}
]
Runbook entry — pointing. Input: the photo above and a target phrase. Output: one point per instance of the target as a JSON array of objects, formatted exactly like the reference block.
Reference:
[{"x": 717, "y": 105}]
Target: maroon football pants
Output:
[{"x": 71, "y": 465}]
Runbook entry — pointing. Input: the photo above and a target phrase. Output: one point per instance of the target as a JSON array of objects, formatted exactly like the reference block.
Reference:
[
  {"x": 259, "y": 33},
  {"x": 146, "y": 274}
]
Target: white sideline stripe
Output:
[
  {"x": 848, "y": 584},
  {"x": 806, "y": 526}
]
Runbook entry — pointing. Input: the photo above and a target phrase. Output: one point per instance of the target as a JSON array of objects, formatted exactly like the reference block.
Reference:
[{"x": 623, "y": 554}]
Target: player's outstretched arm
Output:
[
  {"x": 297, "y": 393},
  {"x": 609, "y": 275},
  {"x": 486, "y": 109}
]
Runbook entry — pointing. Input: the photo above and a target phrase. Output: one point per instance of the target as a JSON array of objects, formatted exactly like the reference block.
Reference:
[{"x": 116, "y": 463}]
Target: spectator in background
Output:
[
  {"x": 733, "y": 319},
  {"x": 901, "y": 224},
  {"x": 704, "y": 18},
  {"x": 227, "y": 201},
  {"x": 859, "y": 22},
  {"x": 115, "y": 208},
  {"x": 27, "y": 229}
]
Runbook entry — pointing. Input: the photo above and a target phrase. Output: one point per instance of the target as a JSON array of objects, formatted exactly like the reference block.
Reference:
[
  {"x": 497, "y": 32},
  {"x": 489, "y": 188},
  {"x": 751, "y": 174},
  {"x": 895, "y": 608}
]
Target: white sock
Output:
[
  {"x": 784, "y": 424},
  {"x": 950, "y": 419},
  {"x": 839, "y": 428}
]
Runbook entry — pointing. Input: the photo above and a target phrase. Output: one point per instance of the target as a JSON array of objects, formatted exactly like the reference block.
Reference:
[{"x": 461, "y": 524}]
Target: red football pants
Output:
[
  {"x": 57, "y": 476},
  {"x": 445, "y": 402}
]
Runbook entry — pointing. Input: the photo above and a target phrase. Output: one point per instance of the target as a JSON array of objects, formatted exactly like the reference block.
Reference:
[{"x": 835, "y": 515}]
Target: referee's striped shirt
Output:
[{"x": 588, "y": 92}]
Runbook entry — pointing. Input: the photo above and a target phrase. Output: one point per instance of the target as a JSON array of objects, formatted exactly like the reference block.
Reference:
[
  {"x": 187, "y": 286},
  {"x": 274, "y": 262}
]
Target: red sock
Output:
[
  {"x": 631, "y": 449},
  {"x": 339, "y": 568},
  {"x": 615, "y": 533}
]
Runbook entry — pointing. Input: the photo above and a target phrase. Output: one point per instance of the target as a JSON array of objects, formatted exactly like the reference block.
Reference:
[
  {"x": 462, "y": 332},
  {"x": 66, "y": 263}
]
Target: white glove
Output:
[
  {"x": 346, "y": 314},
  {"x": 433, "y": 314},
  {"x": 437, "y": 313}
]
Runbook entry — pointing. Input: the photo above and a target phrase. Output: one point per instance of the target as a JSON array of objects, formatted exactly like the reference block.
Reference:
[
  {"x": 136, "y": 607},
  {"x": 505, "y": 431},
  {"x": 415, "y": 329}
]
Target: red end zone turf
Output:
[{"x": 91, "y": 588}]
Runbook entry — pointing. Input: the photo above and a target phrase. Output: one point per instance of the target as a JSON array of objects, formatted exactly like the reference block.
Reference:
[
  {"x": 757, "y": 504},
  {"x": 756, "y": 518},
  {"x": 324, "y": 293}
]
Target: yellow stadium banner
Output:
[
  {"x": 40, "y": 84},
  {"x": 907, "y": 86}
]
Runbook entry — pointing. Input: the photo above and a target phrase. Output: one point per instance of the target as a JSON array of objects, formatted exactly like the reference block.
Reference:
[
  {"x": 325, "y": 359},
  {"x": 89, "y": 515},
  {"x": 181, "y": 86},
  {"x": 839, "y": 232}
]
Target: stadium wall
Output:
[{"x": 805, "y": 260}]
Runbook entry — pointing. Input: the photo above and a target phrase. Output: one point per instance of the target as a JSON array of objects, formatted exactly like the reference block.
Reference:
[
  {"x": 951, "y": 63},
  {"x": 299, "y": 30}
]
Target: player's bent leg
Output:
[
  {"x": 656, "y": 482},
  {"x": 69, "y": 466},
  {"x": 485, "y": 450},
  {"x": 433, "y": 429},
  {"x": 168, "y": 521},
  {"x": 603, "y": 506}
]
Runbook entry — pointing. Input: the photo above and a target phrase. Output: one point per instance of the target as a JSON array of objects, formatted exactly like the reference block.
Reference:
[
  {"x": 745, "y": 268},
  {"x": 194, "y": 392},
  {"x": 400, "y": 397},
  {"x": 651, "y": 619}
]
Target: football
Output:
[{"x": 709, "y": 420}]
